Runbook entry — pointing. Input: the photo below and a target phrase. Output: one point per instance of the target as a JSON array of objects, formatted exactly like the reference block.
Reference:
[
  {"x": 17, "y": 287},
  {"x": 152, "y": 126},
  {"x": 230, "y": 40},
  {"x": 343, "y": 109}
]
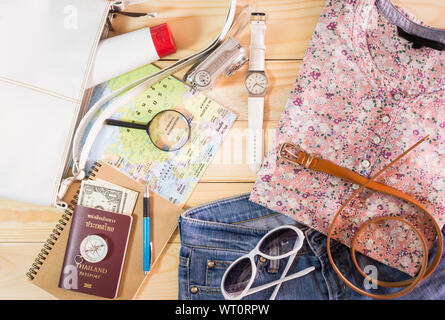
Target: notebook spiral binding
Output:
[{"x": 56, "y": 232}]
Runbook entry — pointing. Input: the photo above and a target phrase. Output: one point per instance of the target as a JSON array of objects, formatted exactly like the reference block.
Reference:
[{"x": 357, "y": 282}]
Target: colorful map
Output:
[{"x": 175, "y": 174}]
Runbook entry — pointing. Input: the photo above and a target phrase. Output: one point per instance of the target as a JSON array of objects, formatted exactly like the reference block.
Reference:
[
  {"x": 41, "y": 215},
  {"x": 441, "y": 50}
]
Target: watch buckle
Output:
[{"x": 257, "y": 17}]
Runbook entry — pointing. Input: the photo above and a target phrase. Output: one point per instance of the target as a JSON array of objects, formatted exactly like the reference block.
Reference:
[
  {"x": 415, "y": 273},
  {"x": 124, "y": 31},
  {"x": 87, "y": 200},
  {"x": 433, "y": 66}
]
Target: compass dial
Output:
[
  {"x": 93, "y": 248},
  {"x": 202, "y": 78}
]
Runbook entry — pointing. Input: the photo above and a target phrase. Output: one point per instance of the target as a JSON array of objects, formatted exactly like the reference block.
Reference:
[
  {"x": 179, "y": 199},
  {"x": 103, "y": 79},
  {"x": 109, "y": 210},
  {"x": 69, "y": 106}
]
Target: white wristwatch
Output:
[{"x": 256, "y": 85}]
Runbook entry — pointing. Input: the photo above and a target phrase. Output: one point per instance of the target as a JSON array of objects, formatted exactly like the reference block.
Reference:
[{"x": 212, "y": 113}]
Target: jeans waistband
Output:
[{"x": 237, "y": 224}]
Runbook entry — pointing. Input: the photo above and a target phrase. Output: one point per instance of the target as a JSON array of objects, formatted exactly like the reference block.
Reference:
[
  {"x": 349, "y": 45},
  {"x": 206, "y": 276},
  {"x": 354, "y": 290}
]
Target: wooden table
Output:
[{"x": 194, "y": 24}]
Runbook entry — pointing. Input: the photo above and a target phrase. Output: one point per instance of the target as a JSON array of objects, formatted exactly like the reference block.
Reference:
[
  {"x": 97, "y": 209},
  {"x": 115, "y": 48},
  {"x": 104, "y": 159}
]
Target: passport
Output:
[{"x": 95, "y": 252}]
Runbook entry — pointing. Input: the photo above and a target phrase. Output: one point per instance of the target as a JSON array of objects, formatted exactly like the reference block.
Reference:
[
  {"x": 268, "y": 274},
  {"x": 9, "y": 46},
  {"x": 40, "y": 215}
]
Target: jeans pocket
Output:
[
  {"x": 215, "y": 271},
  {"x": 206, "y": 269},
  {"x": 183, "y": 273}
]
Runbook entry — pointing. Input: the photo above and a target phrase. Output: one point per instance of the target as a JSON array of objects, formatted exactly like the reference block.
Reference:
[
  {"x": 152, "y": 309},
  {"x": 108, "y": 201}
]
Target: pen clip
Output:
[{"x": 151, "y": 253}]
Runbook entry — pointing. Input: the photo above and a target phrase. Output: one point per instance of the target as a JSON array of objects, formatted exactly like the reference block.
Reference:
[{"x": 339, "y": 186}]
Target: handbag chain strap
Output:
[{"x": 122, "y": 96}]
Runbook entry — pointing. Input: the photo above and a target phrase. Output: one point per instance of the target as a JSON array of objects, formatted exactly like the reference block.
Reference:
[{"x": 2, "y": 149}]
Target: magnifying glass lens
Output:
[{"x": 169, "y": 130}]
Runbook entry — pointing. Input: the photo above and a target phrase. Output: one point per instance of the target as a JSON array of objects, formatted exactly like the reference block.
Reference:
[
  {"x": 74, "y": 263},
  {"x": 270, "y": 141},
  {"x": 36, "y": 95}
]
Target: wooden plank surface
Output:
[
  {"x": 15, "y": 259},
  {"x": 281, "y": 75},
  {"x": 194, "y": 24}
]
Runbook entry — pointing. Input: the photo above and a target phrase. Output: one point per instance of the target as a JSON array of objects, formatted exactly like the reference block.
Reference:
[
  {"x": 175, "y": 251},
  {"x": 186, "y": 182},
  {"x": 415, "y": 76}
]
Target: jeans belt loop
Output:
[{"x": 274, "y": 265}]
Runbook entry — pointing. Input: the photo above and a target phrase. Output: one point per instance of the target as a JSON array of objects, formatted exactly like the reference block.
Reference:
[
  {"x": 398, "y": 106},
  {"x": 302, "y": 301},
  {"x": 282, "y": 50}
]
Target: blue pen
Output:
[{"x": 146, "y": 235}]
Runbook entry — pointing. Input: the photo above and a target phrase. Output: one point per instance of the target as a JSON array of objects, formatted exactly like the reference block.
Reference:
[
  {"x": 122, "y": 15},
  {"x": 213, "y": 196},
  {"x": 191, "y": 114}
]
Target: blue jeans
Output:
[{"x": 216, "y": 234}]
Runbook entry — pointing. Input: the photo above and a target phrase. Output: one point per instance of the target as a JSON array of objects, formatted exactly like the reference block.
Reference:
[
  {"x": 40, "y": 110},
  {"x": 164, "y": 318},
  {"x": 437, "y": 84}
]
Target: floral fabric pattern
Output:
[{"x": 363, "y": 96}]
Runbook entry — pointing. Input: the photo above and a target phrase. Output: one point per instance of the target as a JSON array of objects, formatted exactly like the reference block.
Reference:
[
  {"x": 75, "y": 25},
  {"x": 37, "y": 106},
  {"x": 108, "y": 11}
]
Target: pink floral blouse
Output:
[{"x": 363, "y": 96}]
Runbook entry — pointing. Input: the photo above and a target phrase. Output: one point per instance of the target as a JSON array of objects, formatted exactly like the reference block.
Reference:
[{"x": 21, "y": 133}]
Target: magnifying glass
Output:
[{"x": 168, "y": 130}]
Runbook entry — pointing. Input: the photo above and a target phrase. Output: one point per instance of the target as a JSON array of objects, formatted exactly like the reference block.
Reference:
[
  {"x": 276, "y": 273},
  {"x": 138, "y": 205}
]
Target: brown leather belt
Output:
[{"x": 295, "y": 155}]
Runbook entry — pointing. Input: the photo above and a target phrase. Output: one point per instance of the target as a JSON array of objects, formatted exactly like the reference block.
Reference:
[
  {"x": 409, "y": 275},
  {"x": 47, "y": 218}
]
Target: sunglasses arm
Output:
[
  {"x": 273, "y": 283},
  {"x": 297, "y": 247}
]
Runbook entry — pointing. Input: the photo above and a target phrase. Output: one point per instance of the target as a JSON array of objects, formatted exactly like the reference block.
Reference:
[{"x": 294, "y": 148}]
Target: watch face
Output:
[
  {"x": 93, "y": 248},
  {"x": 256, "y": 83}
]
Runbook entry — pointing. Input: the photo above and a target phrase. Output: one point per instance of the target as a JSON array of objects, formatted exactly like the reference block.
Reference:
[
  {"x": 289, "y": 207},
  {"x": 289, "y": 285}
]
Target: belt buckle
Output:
[{"x": 290, "y": 157}]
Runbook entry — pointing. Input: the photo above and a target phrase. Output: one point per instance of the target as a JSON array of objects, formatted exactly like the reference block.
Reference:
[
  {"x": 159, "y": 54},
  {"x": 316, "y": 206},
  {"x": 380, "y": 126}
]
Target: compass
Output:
[{"x": 93, "y": 248}]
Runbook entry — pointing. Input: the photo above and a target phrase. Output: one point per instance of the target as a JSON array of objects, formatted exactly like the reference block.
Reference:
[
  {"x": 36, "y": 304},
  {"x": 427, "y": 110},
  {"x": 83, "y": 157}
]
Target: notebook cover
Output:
[
  {"x": 164, "y": 216},
  {"x": 97, "y": 278}
]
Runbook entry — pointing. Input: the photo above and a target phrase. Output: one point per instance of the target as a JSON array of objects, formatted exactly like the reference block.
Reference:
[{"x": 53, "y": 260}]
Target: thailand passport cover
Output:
[{"x": 95, "y": 252}]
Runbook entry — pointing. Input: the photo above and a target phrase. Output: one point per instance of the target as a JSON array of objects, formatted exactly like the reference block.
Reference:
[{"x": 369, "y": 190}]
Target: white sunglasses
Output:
[{"x": 240, "y": 275}]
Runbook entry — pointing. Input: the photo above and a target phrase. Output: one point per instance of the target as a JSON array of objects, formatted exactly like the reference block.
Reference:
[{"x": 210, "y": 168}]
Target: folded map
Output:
[{"x": 172, "y": 175}]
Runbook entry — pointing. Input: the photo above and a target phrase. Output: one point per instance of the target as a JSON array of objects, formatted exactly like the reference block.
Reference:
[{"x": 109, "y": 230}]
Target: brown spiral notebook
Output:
[{"x": 47, "y": 267}]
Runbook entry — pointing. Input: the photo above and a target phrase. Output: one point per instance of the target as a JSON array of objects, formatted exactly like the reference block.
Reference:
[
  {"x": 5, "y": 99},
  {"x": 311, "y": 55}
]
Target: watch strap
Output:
[
  {"x": 257, "y": 44},
  {"x": 255, "y": 135}
]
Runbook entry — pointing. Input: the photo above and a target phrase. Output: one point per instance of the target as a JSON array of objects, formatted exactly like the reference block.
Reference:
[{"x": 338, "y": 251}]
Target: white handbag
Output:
[
  {"x": 47, "y": 51},
  {"x": 43, "y": 101}
]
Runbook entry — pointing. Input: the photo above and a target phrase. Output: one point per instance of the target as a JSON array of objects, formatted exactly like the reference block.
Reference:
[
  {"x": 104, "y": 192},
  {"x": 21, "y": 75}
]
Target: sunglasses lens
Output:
[
  {"x": 280, "y": 242},
  {"x": 238, "y": 277}
]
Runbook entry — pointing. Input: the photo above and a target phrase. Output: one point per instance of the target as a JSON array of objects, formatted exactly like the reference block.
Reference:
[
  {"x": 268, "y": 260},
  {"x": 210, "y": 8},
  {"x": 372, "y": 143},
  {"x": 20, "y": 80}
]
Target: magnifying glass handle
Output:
[{"x": 125, "y": 124}]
